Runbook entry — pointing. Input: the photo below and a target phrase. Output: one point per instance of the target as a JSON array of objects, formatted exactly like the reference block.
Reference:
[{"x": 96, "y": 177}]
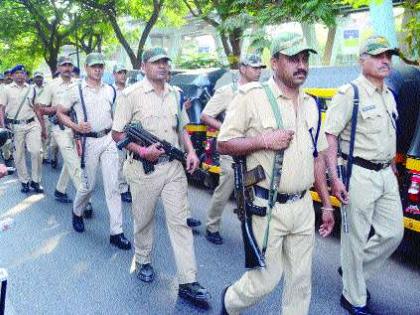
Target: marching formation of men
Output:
[{"x": 273, "y": 126}]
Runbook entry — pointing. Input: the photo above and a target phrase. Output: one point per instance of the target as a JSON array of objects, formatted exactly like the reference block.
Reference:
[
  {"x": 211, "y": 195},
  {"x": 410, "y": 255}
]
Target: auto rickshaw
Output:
[{"x": 404, "y": 82}]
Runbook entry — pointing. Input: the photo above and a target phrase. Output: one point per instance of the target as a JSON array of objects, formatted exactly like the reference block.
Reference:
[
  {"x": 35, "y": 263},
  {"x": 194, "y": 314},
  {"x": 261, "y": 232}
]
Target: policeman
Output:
[
  {"x": 8, "y": 77},
  {"x": 120, "y": 77},
  {"x": 39, "y": 86},
  {"x": 7, "y": 148},
  {"x": 373, "y": 198},
  {"x": 251, "y": 129},
  {"x": 155, "y": 104},
  {"x": 62, "y": 137},
  {"x": 16, "y": 101},
  {"x": 212, "y": 115},
  {"x": 92, "y": 100}
]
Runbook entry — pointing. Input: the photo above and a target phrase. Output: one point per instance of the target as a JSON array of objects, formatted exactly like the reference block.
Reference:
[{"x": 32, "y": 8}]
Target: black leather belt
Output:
[
  {"x": 162, "y": 159},
  {"x": 367, "y": 164},
  {"x": 98, "y": 134},
  {"x": 19, "y": 121},
  {"x": 281, "y": 197}
]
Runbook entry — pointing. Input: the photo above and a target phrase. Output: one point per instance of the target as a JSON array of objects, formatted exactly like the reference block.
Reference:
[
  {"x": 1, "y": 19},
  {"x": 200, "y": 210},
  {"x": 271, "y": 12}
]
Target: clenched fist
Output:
[{"x": 277, "y": 139}]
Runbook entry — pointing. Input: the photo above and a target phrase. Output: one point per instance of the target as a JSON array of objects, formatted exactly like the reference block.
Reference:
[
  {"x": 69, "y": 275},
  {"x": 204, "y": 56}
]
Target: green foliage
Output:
[
  {"x": 412, "y": 28},
  {"x": 275, "y": 12},
  {"x": 198, "y": 60},
  {"x": 360, "y": 3}
]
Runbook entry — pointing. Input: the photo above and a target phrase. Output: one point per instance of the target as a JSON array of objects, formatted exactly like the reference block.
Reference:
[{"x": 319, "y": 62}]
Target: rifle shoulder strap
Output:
[
  {"x": 22, "y": 101},
  {"x": 277, "y": 164},
  {"x": 318, "y": 129},
  {"x": 356, "y": 101}
]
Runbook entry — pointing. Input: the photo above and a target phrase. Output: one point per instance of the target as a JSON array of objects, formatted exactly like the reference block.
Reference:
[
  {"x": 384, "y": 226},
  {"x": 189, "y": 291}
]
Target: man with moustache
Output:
[
  {"x": 212, "y": 116},
  {"x": 155, "y": 104},
  {"x": 62, "y": 137},
  {"x": 17, "y": 110},
  {"x": 253, "y": 127},
  {"x": 373, "y": 198},
  {"x": 120, "y": 78},
  {"x": 92, "y": 101}
]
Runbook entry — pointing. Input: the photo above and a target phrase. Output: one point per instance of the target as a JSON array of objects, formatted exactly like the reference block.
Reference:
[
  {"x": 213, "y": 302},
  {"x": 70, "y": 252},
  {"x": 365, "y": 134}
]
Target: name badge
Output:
[{"x": 368, "y": 108}]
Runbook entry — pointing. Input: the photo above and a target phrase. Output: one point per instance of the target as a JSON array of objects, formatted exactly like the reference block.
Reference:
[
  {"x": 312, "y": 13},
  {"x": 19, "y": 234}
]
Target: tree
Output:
[
  {"x": 228, "y": 18},
  {"x": 50, "y": 21},
  {"x": 151, "y": 12}
]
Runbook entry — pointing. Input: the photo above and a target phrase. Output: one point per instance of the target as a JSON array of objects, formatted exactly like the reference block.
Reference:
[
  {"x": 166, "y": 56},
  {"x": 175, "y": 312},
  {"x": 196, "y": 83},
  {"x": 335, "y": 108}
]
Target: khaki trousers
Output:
[
  {"x": 103, "y": 152},
  {"x": 374, "y": 202},
  {"x": 49, "y": 146},
  {"x": 71, "y": 160},
  {"x": 122, "y": 182},
  {"x": 289, "y": 254},
  {"x": 28, "y": 136},
  {"x": 221, "y": 194},
  {"x": 169, "y": 182}
]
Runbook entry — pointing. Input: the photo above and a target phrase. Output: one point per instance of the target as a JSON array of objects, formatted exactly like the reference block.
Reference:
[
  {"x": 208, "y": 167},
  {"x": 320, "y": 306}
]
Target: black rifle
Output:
[
  {"x": 136, "y": 133},
  {"x": 5, "y": 134},
  {"x": 245, "y": 209}
]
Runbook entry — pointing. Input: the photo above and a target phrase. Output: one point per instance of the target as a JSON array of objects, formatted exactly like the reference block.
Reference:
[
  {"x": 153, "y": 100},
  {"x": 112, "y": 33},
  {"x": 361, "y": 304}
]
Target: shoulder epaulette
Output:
[
  {"x": 244, "y": 89},
  {"x": 130, "y": 89},
  {"x": 344, "y": 88}
]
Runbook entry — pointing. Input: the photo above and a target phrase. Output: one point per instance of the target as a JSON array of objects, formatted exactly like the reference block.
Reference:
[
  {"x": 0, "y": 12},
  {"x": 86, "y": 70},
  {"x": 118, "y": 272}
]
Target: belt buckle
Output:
[{"x": 293, "y": 198}]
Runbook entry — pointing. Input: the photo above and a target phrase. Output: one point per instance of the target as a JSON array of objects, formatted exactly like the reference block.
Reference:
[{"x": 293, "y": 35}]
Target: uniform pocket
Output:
[{"x": 370, "y": 121}]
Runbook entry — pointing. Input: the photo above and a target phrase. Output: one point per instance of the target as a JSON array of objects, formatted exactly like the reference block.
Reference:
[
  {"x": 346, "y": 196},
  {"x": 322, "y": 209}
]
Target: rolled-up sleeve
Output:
[
  {"x": 236, "y": 120},
  {"x": 123, "y": 113},
  {"x": 338, "y": 113}
]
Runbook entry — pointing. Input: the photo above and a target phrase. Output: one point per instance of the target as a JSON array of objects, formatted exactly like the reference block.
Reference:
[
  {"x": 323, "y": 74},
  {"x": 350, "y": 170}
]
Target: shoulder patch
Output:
[
  {"x": 130, "y": 89},
  {"x": 344, "y": 89},
  {"x": 244, "y": 89}
]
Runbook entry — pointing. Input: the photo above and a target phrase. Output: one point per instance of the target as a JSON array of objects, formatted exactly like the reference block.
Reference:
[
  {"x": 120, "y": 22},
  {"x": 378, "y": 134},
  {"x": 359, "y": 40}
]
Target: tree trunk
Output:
[
  {"x": 235, "y": 39},
  {"x": 326, "y": 59}
]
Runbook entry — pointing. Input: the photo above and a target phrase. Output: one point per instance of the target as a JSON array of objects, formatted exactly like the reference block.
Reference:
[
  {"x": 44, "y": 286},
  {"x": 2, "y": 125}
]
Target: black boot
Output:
[
  {"x": 145, "y": 272},
  {"x": 88, "y": 212},
  {"x": 78, "y": 224},
  {"x": 354, "y": 310},
  {"x": 194, "y": 293},
  {"x": 62, "y": 197},
  {"x": 37, "y": 187},
  {"x": 214, "y": 238},
  {"x": 25, "y": 188},
  {"x": 120, "y": 241},
  {"x": 192, "y": 223}
]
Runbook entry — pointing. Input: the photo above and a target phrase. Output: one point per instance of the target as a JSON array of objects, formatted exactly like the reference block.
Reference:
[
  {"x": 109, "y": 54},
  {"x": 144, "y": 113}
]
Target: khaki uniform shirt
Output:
[
  {"x": 98, "y": 103},
  {"x": 53, "y": 92},
  {"x": 157, "y": 114},
  {"x": 11, "y": 97},
  {"x": 219, "y": 103},
  {"x": 376, "y": 121},
  {"x": 220, "y": 100},
  {"x": 250, "y": 114},
  {"x": 38, "y": 91}
]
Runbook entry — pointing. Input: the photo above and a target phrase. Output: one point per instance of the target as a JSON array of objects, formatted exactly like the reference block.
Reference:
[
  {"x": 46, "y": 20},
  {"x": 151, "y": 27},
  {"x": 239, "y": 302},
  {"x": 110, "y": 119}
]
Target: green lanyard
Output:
[{"x": 277, "y": 165}]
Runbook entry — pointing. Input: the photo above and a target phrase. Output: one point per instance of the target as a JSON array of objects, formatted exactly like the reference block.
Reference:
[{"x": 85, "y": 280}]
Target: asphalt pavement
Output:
[{"x": 54, "y": 270}]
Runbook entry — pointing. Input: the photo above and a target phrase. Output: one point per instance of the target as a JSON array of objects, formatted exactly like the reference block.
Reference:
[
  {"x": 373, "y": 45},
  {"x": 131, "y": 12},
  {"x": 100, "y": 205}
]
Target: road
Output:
[{"x": 53, "y": 270}]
